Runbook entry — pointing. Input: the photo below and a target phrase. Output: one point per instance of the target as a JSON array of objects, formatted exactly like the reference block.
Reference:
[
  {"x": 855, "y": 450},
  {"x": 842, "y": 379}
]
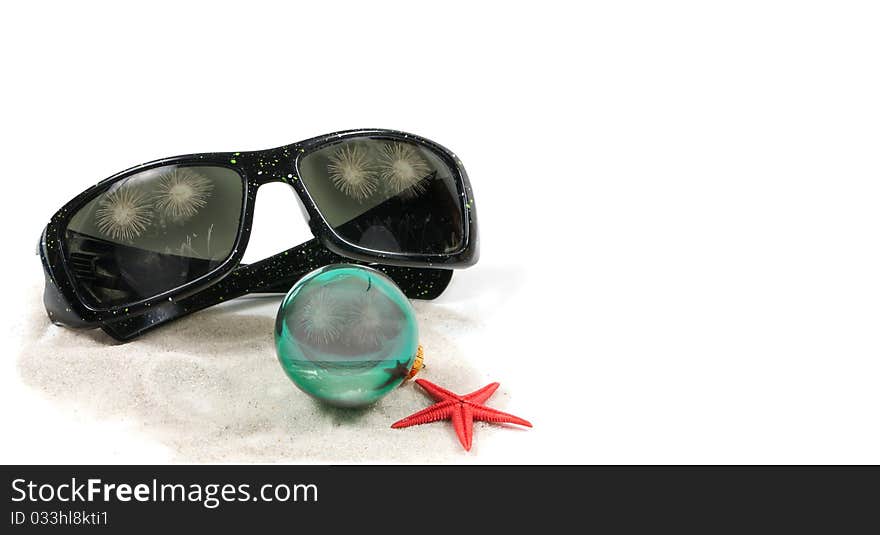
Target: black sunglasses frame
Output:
[{"x": 420, "y": 276}]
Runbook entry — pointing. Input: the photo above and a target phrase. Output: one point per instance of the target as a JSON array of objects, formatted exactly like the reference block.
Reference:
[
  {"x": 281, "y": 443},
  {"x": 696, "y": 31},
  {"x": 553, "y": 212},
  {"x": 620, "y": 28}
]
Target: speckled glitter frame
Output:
[{"x": 419, "y": 276}]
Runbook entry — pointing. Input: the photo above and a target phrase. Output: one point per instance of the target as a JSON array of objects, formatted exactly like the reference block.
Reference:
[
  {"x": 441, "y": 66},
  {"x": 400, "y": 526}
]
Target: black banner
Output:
[{"x": 376, "y": 498}]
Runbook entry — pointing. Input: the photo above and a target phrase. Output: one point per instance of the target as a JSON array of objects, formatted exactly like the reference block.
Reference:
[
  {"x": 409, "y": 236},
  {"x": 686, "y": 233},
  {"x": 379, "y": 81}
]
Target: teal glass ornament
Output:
[{"x": 346, "y": 335}]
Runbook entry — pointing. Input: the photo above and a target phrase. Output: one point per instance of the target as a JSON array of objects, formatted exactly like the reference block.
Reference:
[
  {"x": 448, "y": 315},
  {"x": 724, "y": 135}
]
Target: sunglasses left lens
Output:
[
  {"x": 152, "y": 232},
  {"x": 387, "y": 195}
]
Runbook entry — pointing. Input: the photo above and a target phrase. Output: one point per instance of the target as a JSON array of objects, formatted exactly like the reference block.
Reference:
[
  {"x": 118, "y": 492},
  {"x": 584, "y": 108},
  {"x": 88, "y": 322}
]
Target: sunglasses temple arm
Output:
[{"x": 276, "y": 274}]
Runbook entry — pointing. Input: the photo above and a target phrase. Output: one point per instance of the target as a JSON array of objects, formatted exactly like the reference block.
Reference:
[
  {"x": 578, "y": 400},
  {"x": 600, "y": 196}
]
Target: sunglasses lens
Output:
[
  {"x": 152, "y": 232},
  {"x": 387, "y": 195}
]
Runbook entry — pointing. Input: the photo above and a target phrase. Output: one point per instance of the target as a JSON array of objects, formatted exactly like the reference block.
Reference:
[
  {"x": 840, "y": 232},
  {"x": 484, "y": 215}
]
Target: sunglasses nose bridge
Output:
[{"x": 280, "y": 171}]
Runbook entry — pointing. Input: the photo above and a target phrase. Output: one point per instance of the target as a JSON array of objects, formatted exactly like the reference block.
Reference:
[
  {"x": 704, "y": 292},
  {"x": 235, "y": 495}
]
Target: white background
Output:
[{"x": 678, "y": 201}]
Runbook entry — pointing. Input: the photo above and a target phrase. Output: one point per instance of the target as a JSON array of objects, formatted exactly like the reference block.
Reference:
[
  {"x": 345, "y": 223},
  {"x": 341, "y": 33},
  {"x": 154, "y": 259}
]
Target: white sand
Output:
[{"x": 210, "y": 388}]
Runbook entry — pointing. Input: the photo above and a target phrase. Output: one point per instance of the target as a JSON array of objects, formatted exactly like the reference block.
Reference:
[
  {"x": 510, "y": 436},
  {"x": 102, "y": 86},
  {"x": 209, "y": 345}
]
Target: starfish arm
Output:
[
  {"x": 436, "y": 392},
  {"x": 439, "y": 411},
  {"x": 488, "y": 414},
  {"x": 463, "y": 422},
  {"x": 482, "y": 395}
]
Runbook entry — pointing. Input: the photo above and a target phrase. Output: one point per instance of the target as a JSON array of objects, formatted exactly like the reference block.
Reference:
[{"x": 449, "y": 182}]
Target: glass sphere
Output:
[{"x": 346, "y": 335}]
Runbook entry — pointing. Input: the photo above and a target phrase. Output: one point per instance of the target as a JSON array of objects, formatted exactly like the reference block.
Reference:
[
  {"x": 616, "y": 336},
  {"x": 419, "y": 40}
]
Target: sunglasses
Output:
[{"x": 164, "y": 239}]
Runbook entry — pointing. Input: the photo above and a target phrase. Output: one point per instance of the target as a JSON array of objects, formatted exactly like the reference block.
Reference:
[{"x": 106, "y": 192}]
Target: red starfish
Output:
[{"x": 463, "y": 410}]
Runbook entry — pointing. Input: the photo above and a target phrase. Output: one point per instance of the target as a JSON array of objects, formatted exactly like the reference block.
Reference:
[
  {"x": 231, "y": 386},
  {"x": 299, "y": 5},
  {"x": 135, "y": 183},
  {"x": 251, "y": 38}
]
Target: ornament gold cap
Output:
[{"x": 418, "y": 363}]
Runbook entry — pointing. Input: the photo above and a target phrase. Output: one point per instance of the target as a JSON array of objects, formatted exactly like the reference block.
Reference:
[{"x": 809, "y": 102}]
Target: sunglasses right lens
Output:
[
  {"x": 386, "y": 195},
  {"x": 152, "y": 232}
]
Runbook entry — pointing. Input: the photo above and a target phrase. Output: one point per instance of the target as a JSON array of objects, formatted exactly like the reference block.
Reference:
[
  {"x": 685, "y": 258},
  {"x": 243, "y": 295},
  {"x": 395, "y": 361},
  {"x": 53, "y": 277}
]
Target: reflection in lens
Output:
[
  {"x": 182, "y": 193},
  {"x": 123, "y": 214},
  {"x": 152, "y": 232},
  {"x": 352, "y": 172},
  {"x": 386, "y": 195},
  {"x": 404, "y": 169}
]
